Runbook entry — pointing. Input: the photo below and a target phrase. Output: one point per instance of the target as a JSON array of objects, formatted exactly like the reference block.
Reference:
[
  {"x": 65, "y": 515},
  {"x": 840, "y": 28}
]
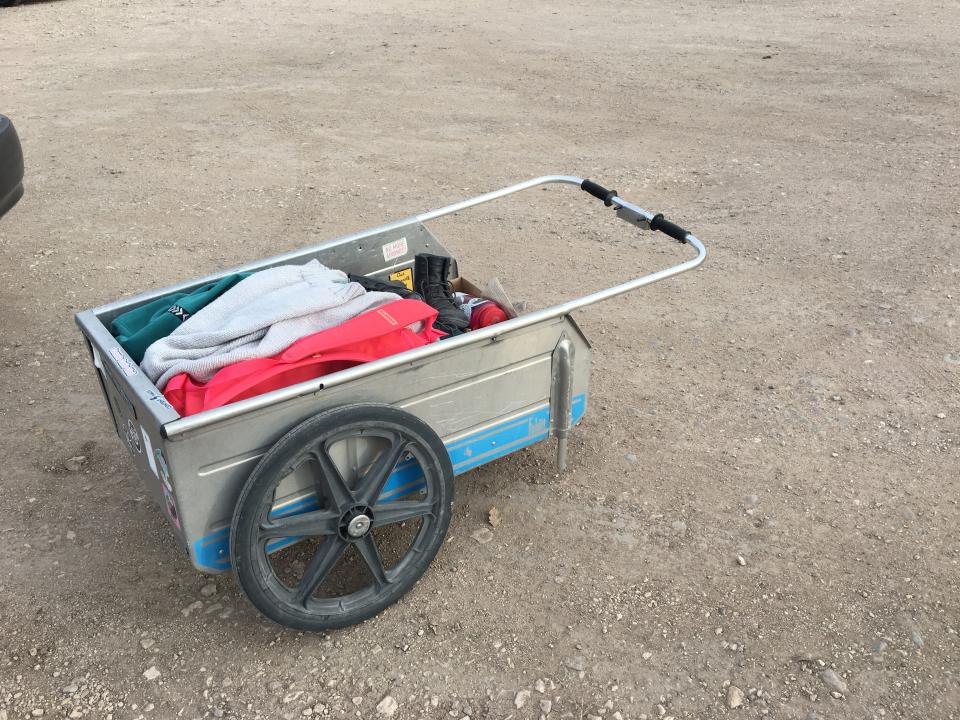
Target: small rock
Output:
[
  {"x": 191, "y": 607},
  {"x": 741, "y": 561},
  {"x": 833, "y": 681},
  {"x": 546, "y": 706},
  {"x": 540, "y": 686},
  {"x": 151, "y": 673},
  {"x": 941, "y": 416},
  {"x": 209, "y": 590},
  {"x": 575, "y": 663},
  {"x": 307, "y": 711},
  {"x": 388, "y": 706},
  {"x": 493, "y": 517},
  {"x": 679, "y": 525},
  {"x": 37, "y": 712},
  {"x": 358, "y": 700},
  {"x": 734, "y": 697},
  {"x": 482, "y": 536},
  {"x": 917, "y": 638},
  {"x": 291, "y": 696},
  {"x": 71, "y": 535},
  {"x": 74, "y": 714},
  {"x": 647, "y": 655},
  {"x": 75, "y": 463},
  {"x": 147, "y": 643},
  {"x": 521, "y": 699},
  {"x": 631, "y": 457}
]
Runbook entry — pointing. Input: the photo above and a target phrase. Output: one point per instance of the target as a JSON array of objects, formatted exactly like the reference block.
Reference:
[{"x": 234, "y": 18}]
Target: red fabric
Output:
[
  {"x": 486, "y": 313},
  {"x": 369, "y": 336}
]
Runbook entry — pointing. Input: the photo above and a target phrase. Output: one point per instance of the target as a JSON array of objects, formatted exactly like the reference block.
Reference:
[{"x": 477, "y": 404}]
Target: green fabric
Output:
[{"x": 139, "y": 329}]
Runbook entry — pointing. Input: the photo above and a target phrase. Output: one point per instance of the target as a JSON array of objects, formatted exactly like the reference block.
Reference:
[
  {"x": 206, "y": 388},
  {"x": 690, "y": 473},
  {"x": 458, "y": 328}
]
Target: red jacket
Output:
[{"x": 369, "y": 336}]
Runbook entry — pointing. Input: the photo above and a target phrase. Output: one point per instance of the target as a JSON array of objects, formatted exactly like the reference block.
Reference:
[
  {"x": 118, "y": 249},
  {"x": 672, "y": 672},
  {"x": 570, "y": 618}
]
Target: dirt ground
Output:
[{"x": 763, "y": 495}]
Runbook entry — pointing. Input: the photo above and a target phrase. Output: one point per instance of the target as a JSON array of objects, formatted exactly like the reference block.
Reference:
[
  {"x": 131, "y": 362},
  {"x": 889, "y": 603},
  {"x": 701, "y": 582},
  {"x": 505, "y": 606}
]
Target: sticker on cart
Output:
[
  {"x": 159, "y": 399},
  {"x": 148, "y": 446},
  {"x": 133, "y": 437},
  {"x": 123, "y": 362},
  {"x": 171, "y": 506},
  {"x": 395, "y": 249},
  {"x": 164, "y": 470},
  {"x": 96, "y": 358},
  {"x": 404, "y": 276}
]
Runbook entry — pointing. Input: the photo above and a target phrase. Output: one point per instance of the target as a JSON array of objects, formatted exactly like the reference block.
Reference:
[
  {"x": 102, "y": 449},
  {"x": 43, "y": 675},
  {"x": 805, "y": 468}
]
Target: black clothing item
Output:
[
  {"x": 430, "y": 279},
  {"x": 373, "y": 285}
]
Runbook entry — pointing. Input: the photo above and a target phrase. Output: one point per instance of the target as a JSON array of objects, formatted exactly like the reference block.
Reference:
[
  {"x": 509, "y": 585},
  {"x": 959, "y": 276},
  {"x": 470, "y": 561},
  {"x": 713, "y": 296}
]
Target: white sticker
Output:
[
  {"x": 395, "y": 249},
  {"x": 149, "y": 448},
  {"x": 123, "y": 362}
]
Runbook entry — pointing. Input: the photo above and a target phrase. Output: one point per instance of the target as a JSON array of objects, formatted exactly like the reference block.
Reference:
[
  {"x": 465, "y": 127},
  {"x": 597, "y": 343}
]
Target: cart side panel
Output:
[
  {"x": 141, "y": 435},
  {"x": 484, "y": 402}
]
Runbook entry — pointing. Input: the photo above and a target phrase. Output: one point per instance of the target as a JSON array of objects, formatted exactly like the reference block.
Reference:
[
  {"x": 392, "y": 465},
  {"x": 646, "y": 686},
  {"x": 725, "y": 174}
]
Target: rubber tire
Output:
[{"x": 254, "y": 583}]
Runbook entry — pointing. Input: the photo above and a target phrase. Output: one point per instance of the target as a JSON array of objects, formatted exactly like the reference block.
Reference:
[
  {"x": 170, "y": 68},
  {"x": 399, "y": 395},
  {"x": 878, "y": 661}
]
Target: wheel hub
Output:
[
  {"x": 358, "y": 526},
  {"x": 356, "y": 523}
]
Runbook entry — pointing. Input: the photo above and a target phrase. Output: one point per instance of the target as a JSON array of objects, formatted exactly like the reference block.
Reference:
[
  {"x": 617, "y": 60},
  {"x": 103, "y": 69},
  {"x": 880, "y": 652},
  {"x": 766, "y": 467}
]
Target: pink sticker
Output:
[{"x": 395, "y": 249}]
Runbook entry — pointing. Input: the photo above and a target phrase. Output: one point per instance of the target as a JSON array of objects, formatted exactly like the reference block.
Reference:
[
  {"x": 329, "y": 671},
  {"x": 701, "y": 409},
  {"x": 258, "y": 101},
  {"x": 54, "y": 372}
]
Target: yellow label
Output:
[{"x": 404, "y": 276}]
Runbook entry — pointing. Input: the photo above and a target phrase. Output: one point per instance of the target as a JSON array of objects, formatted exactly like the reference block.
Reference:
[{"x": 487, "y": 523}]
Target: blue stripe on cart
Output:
[{"x": 212, "y": 552}]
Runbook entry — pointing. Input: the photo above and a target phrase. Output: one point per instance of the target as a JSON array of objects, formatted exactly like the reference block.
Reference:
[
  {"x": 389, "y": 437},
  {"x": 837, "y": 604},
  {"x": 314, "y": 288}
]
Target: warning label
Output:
[
  {"x": 395, "y": 249},
  {"x": 404, "y": 276}
]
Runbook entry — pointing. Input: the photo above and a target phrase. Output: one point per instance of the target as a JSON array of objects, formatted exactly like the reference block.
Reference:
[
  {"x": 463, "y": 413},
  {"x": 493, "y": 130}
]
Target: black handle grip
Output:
[
  {"x": 599, "y": 192},
  {"x": 659, "y": 222}
]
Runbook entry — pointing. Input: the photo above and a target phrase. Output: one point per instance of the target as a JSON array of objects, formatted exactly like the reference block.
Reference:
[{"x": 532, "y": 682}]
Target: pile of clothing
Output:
[{"x": 250, "y": 333}]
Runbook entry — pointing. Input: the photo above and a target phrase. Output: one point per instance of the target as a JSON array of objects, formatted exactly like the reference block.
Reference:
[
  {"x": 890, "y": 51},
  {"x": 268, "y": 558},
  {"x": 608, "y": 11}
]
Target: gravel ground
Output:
[{"x": 761, "y": 516}]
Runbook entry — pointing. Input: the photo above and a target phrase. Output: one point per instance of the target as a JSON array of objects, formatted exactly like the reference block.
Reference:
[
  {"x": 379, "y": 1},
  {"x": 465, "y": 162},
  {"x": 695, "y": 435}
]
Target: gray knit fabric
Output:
[{"x": 260, "y": 316}]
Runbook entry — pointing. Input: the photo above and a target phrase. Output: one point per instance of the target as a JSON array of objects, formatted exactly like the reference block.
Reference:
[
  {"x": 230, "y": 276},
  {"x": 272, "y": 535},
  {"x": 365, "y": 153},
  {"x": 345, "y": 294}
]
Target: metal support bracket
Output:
[
  {"x": 633, "y": 216},
  {"x": 561, "y": 401}
]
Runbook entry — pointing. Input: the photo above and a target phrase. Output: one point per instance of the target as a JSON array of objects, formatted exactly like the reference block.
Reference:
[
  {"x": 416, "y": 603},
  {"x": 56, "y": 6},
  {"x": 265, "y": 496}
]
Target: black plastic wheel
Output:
[{"x": 313, "y": 521}]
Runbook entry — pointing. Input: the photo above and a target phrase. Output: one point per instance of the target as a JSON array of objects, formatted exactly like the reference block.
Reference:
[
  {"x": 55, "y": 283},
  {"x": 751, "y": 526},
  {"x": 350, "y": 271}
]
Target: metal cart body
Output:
[{"x": 486, "y": 393}]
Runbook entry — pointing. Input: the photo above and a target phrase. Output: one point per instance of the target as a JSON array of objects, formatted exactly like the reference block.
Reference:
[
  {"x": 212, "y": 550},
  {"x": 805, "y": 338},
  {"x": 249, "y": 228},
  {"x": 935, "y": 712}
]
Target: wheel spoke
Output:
[
  {"x": 399, "y": 511},
  {"x": 371, "y": 555},
  {"x": 371, "y": 485},
  {"x": 331, "y": 483},
  {"x": 318, "y": 568},
  {"x": 308, "y": 524}
]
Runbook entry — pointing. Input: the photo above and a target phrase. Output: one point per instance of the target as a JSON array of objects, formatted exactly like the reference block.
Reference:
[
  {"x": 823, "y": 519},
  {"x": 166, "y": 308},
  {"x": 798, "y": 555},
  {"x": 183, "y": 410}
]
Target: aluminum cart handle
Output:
[{"x": 625, "y": 211}]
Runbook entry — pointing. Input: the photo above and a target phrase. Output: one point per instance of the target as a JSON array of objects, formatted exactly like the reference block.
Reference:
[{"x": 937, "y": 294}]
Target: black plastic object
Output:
[
  {"x": 11, "y": 166},
  {"x": 659, "y": 222},
  {"x": 599, "y": 192},
  {"x": 342, "y": 557}
]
